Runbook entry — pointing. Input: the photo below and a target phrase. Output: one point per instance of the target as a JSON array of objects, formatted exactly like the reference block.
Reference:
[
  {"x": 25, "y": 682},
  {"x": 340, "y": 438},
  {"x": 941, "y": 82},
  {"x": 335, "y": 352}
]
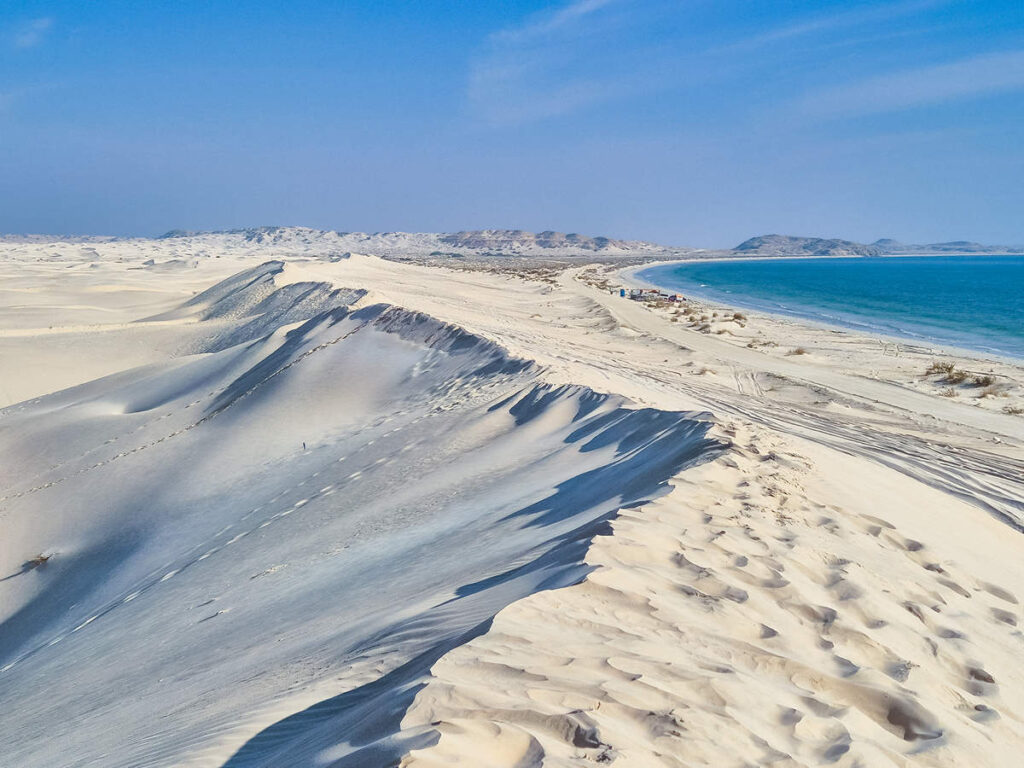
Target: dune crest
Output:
[
  {"x": 311, "y": 508},
  {"x": 276, "y": 488}
]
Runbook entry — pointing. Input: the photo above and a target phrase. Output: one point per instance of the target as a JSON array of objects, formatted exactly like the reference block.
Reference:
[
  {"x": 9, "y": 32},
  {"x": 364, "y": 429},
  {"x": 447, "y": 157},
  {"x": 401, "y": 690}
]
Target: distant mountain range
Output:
[
  {"x": 412, "y": 245},
  {"x": 517, "y": 239},
  {"x": 489, "y": 244},
  {"x": 787, "y": 245},
  {"x": 518, "y": 242}
]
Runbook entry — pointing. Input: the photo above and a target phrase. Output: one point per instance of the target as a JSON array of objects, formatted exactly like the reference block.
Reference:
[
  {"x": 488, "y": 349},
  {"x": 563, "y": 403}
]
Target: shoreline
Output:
[{"x": 629, "y": 277}]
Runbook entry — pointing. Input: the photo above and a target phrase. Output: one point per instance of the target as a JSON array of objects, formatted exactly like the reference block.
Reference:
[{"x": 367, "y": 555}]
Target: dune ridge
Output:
[
  {"x": 280, "y": 483},
  {"x": 422, "y": 516}
]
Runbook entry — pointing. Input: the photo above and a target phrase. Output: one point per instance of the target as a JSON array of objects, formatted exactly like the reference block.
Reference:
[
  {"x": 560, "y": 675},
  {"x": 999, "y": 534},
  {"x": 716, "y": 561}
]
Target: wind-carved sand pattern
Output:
[
  {"x": 289, "y": 518},
  {"x": 354, "y": 512},
  {"x": 860, "y": 644}
]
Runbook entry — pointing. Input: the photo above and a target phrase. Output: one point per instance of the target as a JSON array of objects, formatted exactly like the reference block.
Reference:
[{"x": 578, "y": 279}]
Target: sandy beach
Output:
[
  {"x": 278, "y": 505},
  {"x": 992, "y": 382}
]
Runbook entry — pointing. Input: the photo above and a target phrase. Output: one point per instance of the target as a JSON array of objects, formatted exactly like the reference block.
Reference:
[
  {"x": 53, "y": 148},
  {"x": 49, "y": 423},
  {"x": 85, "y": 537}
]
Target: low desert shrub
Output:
[
  {"x": 992, "y": 390},
  {"x": 940, "y": 366}
]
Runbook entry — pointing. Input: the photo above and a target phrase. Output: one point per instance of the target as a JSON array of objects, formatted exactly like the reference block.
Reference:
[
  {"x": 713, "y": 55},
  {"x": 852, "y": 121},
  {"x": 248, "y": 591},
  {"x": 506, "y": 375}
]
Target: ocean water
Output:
[{"x": 975, "y": 302}]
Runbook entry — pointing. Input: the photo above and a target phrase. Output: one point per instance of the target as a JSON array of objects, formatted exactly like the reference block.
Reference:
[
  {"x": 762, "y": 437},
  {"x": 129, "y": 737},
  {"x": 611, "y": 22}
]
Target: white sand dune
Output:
[
  {"x": 352, "y": 494},
  {"x": 350, "y": 512}
]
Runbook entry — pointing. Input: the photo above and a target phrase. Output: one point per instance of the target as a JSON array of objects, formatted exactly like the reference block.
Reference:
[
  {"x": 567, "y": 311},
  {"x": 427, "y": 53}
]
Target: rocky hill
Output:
[
  {"x": 787, "y": 245},
  {"x": 890, "y": 246},
  {"x": 519, "y": 240}
]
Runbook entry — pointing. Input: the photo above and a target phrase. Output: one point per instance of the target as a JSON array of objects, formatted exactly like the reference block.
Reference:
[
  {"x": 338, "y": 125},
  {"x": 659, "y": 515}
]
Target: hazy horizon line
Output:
[{"x": 738, "y": 241}]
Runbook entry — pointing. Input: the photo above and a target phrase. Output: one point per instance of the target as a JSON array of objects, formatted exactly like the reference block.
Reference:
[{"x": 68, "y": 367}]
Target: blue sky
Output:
[{"x": 691, "y": 122}]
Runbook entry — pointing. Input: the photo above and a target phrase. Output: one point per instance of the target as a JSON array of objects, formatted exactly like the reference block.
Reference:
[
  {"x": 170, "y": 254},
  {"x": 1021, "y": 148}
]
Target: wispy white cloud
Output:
[
  {"x": 588, "y": 54},
  {"x": 32, "y": 33},
  {"x": 940, "y": 83},
  {"x": 549, "y": 65},
  {"x": 842, "y": 20},
  {"x": 548, "y": 22}
]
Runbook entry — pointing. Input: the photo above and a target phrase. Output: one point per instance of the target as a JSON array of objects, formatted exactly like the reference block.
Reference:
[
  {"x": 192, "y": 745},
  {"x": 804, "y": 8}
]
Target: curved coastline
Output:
[{"x": 638, "y": 276}]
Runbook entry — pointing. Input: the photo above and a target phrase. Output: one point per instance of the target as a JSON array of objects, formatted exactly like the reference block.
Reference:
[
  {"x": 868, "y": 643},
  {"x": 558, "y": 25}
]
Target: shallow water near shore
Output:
[{"x": 975, "y": 302}]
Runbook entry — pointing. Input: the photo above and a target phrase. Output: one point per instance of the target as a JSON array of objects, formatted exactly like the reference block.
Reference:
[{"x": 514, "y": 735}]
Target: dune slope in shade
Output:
[{"x": 243, "y": 553}]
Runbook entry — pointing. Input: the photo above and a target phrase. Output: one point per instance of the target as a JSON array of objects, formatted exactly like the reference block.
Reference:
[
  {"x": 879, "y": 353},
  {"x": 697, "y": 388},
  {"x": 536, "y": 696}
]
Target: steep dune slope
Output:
[{"x": 198, "y": 549}]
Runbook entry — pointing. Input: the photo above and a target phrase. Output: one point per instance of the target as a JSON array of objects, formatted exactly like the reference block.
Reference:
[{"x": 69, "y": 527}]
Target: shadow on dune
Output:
[
  {"x": 27, "y": 567},
  {"x": 295, "y": 343},
  {"x": 258, "y": 305},
  {"x": 68, "y": 580},
  {"x": 409, "y": 326},
  {"x": 563, "y": 563},
  {"x": 363, "y": 727},
  {"x": 367, "y": 718},
  {"x": 651, "y": 447},
  {"x": 231, "y": 297},
  {"x": 519, "y": 476}
]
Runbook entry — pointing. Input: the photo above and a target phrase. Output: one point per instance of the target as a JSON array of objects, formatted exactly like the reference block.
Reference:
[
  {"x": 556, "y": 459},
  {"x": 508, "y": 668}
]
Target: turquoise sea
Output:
[{"x": 975, "y": 302}]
